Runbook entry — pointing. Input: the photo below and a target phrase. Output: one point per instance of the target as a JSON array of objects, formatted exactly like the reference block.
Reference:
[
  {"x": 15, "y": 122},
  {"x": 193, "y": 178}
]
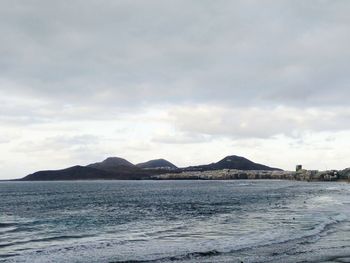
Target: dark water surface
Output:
[{"x": 174, "y": 221}]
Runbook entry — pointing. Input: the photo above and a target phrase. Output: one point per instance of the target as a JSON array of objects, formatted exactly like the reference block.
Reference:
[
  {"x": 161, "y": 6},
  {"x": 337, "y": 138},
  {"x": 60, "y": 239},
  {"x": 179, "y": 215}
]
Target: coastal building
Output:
[{"x": 298, "y": 168}]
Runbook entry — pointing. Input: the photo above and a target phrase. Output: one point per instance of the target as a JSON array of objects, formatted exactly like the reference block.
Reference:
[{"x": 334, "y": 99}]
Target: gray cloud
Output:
[
  {"x": 259, "y": 122},
  {"x": 57, "y": 143},
  {"x": 156, "y": 76},
  {"x": 132, "y": 53},
  {"x": 7, "y": 137},
  {"x": 181, "y": 138}
]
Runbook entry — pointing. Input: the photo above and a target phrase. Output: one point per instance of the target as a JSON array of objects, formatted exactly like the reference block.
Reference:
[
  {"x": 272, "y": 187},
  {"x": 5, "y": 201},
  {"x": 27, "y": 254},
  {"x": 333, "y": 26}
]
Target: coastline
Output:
[
  {"x": 183, "y": 177},
  {"x": 232, "y": 174},
  {"x": 213, "y": 174}
]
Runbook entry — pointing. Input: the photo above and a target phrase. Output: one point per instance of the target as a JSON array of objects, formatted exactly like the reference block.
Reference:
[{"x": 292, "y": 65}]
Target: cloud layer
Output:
[{"x": 148, "y": 78}]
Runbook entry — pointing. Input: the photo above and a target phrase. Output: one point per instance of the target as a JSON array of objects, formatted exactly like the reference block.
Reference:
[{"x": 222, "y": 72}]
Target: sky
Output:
[{"x": 191, "y": 81}]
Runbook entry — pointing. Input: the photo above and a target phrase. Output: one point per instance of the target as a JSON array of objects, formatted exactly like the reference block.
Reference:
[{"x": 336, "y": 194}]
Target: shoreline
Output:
[
  {"x": 222, "y": 174},
  {"x": 231, "y": 174},
  {"x": 178, "y": 179}
]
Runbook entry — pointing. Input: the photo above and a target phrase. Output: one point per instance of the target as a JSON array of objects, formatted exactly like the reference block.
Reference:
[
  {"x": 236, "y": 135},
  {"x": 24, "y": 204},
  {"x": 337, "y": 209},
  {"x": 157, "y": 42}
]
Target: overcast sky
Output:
[{"x": 189, "y": 81}]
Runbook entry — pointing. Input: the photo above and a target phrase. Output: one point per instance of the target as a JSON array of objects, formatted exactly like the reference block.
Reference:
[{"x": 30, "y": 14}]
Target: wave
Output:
[
  {"x": 4, "y": 225},
  {"x": 47, "y": 239},
  {"x": 317, "y": 231},
  {"x": 165, "y": 231},
  {"x": 7, "y": 228},
  {"x": 214, "y": 254},
  {"x": 191, "y": 255},
  {"x": 8, "y": 255}
]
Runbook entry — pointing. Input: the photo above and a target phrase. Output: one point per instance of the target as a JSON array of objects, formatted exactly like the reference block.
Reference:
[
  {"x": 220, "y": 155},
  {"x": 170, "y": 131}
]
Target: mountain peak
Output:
[
  {"x": 116, "y": 161},
  {"x": 157, "y": 164},
  {"x": 232, "y": 162},
  {"x": 112, "y": 164},
  {"x": 230, "y": 158},
  {"x": 240, "y": 163}
]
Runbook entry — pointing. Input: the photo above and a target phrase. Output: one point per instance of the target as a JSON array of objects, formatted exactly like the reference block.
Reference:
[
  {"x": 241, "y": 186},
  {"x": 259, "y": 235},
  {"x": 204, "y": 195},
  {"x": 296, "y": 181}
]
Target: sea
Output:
[{"x": 175, "y": 221}]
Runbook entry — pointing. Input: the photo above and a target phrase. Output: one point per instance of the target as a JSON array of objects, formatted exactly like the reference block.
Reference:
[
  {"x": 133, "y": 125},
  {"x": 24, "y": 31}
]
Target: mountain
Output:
[
  {"x": 157, "y": 164},
  {"x": 115, "y": 168},
  {"x": 114, "y": 164},
  {"x": 112, "y": 168},
  {"x": 85, "y": 173},
  {"x": 232, "y": 162},
  {"x": 71, "y": 173},
  {"x": 345, "y": 174}
]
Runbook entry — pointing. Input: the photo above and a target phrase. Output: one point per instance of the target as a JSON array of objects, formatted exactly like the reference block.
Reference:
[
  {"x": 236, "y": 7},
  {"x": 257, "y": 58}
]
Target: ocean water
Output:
[{"x": 174, "y": 221}]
